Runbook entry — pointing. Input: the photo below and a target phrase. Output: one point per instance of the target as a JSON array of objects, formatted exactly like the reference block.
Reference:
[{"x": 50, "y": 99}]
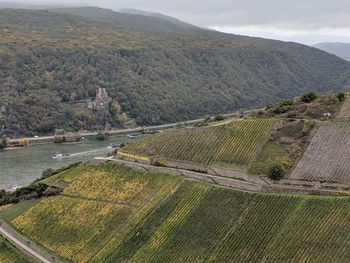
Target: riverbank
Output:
[{"x": 19, "y": 167}]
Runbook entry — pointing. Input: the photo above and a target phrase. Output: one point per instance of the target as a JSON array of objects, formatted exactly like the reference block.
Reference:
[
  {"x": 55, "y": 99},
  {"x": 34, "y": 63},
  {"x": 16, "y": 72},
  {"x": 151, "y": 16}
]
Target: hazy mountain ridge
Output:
[
  {"x": 50, "y": 60},
  {"x": 158, "y": 15},
  {"x": 341, "y": 50},
  {"x": 131, "y": 18}
]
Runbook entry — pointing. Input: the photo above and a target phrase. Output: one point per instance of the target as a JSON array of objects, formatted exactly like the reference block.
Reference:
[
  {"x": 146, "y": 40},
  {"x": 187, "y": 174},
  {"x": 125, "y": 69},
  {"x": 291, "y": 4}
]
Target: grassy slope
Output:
[
  {"x": 187, "y": 222},
  {"x": 236, "y": 143},
  {"x": 9, "y": 254}
]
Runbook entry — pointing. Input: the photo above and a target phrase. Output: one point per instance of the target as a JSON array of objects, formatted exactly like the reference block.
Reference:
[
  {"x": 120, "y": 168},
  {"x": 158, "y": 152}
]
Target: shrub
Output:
[
  {"x": 59, "y": 139},
  {"x": 47, "y": 173},
  {"x": 219, "y": 118},
  {"x": 341, "y": 96},
  {"x": 207, "y": 119},
  {"x": 276, "y": 172},
  {"x": 286, "y": 103},
  {"x": 281, "y": 109},
  {"x": 160, "y": 163},
  {"x": 200, "y": 124},
  {"x": 308, "y": 97},
  {"x": 2, "y": 146},
  {"x": 4, "y": 141},
  {"x": 101, "y": 137}
]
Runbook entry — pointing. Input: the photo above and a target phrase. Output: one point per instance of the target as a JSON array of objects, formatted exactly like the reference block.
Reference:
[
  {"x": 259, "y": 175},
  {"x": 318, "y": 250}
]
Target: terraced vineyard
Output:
[
  {"x": 166, "y": 219},
  {"x": 236, "y": 143},
  {"x": 9, "y": 254},
  {"x": 328, "y": 155}
]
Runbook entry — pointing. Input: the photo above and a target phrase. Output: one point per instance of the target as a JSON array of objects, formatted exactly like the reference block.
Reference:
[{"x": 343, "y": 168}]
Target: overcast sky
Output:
[{"x": 305, "y": 21}]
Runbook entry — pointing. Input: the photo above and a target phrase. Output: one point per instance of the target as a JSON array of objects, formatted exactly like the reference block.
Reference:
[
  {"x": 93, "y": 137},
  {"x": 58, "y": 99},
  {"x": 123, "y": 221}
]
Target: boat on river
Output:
[{"x": 60, "y": 156}]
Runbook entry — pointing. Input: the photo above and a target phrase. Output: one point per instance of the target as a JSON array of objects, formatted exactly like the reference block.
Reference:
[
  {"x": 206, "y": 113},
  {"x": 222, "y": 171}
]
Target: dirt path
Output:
[
  {"x": 228, "y": 182},
  {"x": 22, "y": 245},
  {"x": 123, "y": 203}
]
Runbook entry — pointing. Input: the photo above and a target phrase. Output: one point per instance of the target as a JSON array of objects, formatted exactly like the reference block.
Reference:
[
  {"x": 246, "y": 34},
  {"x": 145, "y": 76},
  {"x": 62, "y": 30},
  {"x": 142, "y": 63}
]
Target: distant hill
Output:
[
  {"x": 131, "y": 18},
  {"x": 155, "y": 71},
  {"x": 341, "y": 50},
  {"x": 158, "y": 15}
]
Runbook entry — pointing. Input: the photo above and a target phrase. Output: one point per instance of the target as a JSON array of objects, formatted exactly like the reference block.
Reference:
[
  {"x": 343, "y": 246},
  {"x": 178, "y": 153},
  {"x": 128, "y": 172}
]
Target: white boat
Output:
[{"x": 60, "y": 156}]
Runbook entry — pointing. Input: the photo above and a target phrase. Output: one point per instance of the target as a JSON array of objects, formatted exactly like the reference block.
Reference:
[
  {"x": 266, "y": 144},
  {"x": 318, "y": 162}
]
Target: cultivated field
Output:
[
  {"x": 344, "y": 113},
  {"x": 167, "y": 219},
  {"x": 235, "y": 143},
  {"x": 99, "y": 203},
  {"x": 9, "y": 254},
  {"x": 328, "y": 155}
]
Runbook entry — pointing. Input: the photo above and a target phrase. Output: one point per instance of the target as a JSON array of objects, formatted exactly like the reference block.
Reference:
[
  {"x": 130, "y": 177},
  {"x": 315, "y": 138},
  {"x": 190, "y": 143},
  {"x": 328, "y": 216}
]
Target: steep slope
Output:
[
  {"x": 341, "y": 50},
  {"x": 51, "y": 62},
  {"x": 110, "y": 213},
  {"x": 327, "y": 157},
  {"x": 209, "y": 145}
]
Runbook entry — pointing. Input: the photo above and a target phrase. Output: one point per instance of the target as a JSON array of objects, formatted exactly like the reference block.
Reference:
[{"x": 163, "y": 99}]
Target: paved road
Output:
[
  {"x": 125, "y": 131},
  {"x": 19, "y": 243}
]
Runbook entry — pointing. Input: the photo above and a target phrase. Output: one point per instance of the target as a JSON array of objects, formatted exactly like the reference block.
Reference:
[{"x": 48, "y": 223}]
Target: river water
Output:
[{"x": 20, "y": 167}]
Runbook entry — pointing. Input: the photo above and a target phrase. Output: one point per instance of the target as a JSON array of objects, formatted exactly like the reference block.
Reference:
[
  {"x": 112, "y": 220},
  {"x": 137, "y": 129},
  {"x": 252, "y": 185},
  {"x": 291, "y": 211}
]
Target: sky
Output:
[{"x": 304, "y": 21}]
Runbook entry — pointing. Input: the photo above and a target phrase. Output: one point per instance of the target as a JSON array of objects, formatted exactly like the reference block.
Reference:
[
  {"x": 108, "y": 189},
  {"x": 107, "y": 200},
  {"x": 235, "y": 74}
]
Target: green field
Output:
[
  {"x": 236, "y": 143},
  {"x": 9, "y": 254},
  {"x": 145, "y": 217}
]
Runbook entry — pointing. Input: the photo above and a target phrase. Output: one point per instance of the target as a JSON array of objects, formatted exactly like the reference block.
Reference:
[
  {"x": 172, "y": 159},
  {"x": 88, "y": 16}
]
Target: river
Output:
[{"x": 20, "y": 167}]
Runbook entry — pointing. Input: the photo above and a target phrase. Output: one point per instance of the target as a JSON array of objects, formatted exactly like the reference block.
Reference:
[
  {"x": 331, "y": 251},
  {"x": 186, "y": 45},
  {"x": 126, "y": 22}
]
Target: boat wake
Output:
[{"x": 87, "y": 152}]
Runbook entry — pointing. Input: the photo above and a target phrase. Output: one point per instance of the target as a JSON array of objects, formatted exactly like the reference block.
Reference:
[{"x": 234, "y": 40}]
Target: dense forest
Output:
[{"x": 49, "y": 61}]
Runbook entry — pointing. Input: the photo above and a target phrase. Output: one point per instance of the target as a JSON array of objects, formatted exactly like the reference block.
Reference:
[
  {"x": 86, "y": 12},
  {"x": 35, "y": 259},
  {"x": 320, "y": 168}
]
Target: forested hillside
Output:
[{"x": 49, "y": 62}]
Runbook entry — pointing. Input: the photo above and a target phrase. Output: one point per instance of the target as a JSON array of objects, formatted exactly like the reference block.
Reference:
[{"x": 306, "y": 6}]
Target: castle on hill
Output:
[{"x": 102, "y": 101}]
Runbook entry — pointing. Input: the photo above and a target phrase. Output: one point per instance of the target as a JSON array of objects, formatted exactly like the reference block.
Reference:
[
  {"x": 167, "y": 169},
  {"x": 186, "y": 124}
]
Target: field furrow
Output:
[{"x": 328, "y": 155}]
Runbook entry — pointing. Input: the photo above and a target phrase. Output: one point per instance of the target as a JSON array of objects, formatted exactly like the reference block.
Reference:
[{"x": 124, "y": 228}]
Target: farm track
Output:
[
  {"x": 10, "y": 234},
  {"x": 227, "y": 182},
  {"x": 98, "y": 200}
]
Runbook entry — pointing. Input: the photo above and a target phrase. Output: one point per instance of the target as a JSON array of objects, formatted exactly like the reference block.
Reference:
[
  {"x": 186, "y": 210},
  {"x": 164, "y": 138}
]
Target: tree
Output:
[
  {"x": 341, "y": 96},
  {"x": 276, "y": 172},
  {"x": 101, "y": 136},
  {"x": 4, "y": 141},
  {"x": 308, "y": 97}
]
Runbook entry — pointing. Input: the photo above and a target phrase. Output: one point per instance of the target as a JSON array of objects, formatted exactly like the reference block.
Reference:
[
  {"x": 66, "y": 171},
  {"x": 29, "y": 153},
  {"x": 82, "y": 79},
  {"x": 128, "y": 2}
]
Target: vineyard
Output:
[
  {"x": 9, "y": 254},
  {"x": 345, "y": 110},
  {"x": 235, "y": 143},
  {"x": 100, "y": 202},
  {"x": 328, "y": 156},
  {"x": 145, "y": 217}
]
